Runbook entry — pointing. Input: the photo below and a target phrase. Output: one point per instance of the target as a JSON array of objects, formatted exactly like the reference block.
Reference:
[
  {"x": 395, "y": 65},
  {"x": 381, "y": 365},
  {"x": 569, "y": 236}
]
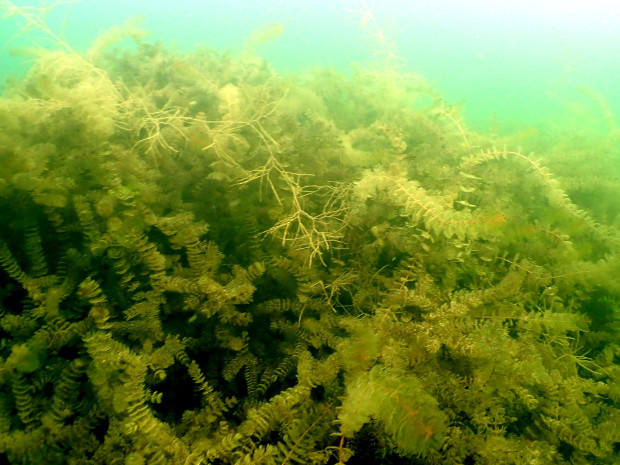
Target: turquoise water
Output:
[{"x": 508, "y": 64}]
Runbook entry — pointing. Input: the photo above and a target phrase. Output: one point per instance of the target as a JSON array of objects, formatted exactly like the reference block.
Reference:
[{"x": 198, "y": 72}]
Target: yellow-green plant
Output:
[{"x": 203, "y": 262}]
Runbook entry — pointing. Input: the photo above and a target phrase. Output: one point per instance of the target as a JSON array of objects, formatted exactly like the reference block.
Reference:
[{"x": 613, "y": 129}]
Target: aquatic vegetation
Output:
[{"x": 203, "y": 262}]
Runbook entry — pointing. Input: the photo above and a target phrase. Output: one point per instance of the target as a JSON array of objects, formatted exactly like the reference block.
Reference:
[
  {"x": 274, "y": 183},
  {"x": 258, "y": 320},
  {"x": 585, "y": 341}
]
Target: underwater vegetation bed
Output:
[{"x": 204, "y": 262}]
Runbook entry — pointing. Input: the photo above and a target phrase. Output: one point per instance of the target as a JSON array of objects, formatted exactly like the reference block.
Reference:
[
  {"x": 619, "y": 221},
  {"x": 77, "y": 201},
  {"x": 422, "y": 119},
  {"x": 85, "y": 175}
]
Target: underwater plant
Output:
[{"x": 205, "y": 262}]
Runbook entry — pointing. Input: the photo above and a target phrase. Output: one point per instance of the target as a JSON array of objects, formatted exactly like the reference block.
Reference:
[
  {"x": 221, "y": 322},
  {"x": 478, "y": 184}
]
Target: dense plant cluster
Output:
[{"x": 204, "y": 262}]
